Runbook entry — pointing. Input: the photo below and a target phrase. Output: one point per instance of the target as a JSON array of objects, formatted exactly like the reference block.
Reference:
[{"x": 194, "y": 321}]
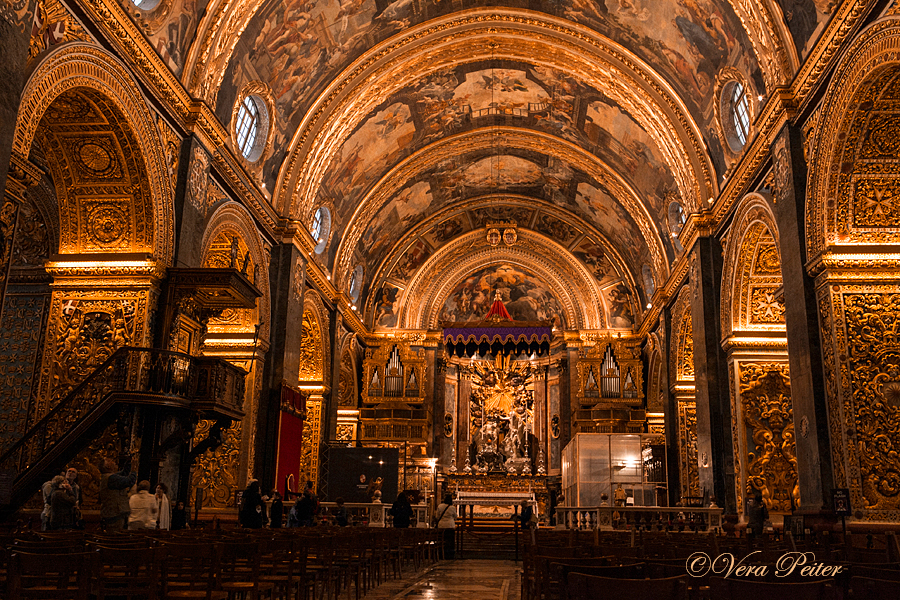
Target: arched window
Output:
[{"x": 735, "y": 114}]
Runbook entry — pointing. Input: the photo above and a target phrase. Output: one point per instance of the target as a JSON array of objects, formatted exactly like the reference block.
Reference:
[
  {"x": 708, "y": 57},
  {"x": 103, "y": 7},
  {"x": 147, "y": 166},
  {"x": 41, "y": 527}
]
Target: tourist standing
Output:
[
  {"x": 62, "y": 505},
  {"x": 144, "y": 508},
  {"x": 114, "y": 505},
  {"x": 445, "y": 517},
  {"x": 165, "y": 509},
  {"x": 253, "y": 509},
  {"x": 401, "y": 511}
]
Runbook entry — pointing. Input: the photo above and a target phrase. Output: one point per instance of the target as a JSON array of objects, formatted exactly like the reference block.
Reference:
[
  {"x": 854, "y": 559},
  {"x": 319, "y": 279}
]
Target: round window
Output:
[
  {"x": 356, "y": 281},
  {"x": 251, "y": 127},
  {"x": 146, "y": 4},
  {"x": 735, "y": 114},
  {"x": 320, "y": 228}
]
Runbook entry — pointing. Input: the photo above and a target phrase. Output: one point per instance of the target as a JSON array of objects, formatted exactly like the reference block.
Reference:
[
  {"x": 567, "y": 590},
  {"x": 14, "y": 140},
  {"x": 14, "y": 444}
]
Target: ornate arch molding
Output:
[
  {"x": 315, "y": 360},
  {"x": 682, "y": 339},
  {"x": 232, "y": 217},
  {"x": 752, "y": 271},
  {"x": 505, "y": 137},
  {"x": 83, "y": 66},
  {"x": 491, "y": 200},
  {"x": 839, "y": 180},
  {"x": 772, "y": 43},
  {"x": 427, "y": 290},
  {"x": 483, "y": 34}
]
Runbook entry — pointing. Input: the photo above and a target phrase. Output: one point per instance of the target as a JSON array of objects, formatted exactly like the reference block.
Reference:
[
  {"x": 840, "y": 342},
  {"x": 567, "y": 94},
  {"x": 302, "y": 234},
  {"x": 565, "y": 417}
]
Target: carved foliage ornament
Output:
[
  {"x": 311, "y": 348},
  {"x": 873, "y": 352},
  {"x": 768, "y": 418}
]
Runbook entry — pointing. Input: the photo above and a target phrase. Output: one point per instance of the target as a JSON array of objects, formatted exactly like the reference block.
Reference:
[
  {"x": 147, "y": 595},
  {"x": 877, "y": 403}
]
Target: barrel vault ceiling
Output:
[{"x": 593, "y": 125}]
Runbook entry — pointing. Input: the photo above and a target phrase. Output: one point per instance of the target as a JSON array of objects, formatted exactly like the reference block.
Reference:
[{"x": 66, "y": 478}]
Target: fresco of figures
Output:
[
  {"x": 527, "y": 298},
  {"x": 298, "y": 47}
]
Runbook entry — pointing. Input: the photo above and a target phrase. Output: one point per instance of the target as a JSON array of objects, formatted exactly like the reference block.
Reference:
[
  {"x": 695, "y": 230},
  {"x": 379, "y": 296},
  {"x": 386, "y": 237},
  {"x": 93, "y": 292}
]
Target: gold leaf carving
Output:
[{"x": 768, "y": 419}]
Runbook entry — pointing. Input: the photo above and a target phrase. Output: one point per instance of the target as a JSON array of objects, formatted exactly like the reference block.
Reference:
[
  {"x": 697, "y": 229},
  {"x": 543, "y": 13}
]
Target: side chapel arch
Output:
[
  {"x": 754, "y": 338},
  {"x": 233, "y": 336},
  {"x": 853, "y": 212}
]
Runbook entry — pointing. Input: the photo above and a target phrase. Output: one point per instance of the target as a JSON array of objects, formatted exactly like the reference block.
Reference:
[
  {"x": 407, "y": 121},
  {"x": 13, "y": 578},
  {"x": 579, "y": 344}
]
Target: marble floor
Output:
[{"x": 455, "y": 580}]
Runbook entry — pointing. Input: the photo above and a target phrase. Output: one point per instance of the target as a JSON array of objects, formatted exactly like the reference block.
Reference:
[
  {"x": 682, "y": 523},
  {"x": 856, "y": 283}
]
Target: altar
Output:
[{"x": 497, "y": 495}]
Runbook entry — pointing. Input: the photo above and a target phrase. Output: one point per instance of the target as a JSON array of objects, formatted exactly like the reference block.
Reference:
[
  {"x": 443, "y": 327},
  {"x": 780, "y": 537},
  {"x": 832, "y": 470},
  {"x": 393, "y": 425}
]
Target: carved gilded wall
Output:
[
  {"x": 854, "y": 218},
  {"x": 682, "y": 357},
  {"x": 231, "y": 241},
  {"x": 767, "y": 432},
  {"x": 863, "y": 371},
  {"x": 754, "y": 338}
]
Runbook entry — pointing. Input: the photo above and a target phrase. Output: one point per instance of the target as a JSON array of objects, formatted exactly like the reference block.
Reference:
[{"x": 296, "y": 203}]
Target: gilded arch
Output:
[
  {"x": 752, "y": 271},
  {"x": 314, "y": 360},
  {"x": 229, "y": 220},
  {"x": 426, "y": 291},
  {"x": 83, "y": 66},
  {"x": 853, "y": 218},
  {"x": 682, "y": 357},
  {"x": 382, "y": 193}
]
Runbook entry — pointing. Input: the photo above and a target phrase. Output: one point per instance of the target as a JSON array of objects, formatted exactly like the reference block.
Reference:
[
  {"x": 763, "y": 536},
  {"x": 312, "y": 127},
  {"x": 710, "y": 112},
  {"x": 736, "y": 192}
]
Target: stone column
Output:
[
  {"x": 715, "y": 450},
  {"x": 670, "y": 406},
  {"x": 803, "y": 337},
  {"x": 287, "y": 282}
]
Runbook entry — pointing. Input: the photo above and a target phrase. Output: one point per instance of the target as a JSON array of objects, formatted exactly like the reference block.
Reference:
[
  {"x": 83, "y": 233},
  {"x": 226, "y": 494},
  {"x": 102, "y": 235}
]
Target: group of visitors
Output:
[
  {"x": 124, "y": 502},
  {"x": 253, "y": 512}
]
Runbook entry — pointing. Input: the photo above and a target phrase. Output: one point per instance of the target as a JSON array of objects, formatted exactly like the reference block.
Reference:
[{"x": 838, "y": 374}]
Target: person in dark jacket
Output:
[
  {"x": 304, "y": 512},
  {"x": 276, "y": 512},
  {"x": 253, "y": 508},
  {"x": 179, "y": 516},
  {"x": 526, "y": 514},
  {"x": 114, "y": 487},
  {"x": 62, "y": 504},
  {"x": 341, "y": 516},
  {"x": 402, "y": 511}
]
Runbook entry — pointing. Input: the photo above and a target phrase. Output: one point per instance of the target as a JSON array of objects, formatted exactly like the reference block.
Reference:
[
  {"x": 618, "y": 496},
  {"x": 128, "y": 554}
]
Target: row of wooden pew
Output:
[
  {"x": 591, "y": 566},
  {"x": 321, "y": 563}
]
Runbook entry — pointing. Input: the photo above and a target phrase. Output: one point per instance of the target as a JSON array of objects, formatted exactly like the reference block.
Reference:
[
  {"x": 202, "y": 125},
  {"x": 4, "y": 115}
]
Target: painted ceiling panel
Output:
[{"x": 298, "y": 47}]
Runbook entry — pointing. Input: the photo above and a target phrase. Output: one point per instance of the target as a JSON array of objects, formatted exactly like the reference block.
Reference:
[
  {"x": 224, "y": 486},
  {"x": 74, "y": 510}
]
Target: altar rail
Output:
[
  {"x": 493, "y": 498},
  {"x": 377, "y": 514},
  {"x": 648, "y": 517}
]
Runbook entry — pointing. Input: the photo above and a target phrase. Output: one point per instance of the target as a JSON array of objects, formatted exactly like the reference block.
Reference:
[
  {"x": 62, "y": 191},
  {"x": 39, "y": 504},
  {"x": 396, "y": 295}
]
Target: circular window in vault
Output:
[
  {"x": 320, "y": 228},
  {"x": 734, "y": 111},
  {"x": 251, "y": 127},
  {"x": 356, "y": 281}
]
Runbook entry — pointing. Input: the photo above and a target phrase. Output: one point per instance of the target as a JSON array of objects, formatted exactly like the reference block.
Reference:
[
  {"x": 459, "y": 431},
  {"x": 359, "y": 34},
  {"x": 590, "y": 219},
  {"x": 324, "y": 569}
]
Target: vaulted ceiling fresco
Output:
[{"x": 595, "y": 126}]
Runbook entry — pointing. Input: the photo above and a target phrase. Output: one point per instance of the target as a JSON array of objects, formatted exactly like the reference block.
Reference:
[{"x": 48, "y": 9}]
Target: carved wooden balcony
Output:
[{"x": 211, "y": 388}]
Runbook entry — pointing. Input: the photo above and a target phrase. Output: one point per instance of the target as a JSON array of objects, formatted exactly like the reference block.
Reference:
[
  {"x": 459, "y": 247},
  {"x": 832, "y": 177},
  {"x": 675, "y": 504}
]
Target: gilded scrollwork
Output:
[
  {"x": 687, "y": 449},
  {"x": 347, "y": 386},
  {"x": 768, "y": 420},
  {"x": 873, "y": 373},
  {"x": 312, "y": 437},
  {"x": 311, "y": 348},
  {"x": 216, "y": 470}
]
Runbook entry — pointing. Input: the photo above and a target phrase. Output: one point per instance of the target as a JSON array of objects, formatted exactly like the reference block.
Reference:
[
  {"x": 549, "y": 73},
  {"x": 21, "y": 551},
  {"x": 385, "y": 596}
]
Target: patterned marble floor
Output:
[{"x": 455, "y": 580}]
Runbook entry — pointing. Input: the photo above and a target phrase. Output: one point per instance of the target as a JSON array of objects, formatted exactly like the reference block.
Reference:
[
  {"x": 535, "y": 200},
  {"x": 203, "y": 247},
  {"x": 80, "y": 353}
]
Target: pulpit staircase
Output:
[{"x": 201, "y": 387}]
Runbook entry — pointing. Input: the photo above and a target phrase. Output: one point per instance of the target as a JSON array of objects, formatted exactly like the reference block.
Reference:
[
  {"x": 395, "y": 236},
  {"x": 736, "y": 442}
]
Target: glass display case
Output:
[{"x": 594, "y": 464}]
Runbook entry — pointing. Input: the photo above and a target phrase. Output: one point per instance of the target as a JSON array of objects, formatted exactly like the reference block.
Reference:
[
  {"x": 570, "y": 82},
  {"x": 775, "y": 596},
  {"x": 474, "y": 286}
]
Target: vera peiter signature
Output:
[{"x": 804, "y": 564}]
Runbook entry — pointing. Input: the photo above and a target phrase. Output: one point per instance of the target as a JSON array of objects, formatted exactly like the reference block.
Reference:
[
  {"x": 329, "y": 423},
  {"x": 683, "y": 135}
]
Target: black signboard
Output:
[{"x": 840, "y": 499}]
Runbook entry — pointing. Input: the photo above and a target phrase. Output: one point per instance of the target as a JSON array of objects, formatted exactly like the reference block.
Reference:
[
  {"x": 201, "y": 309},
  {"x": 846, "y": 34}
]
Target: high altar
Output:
[{"x": 486, "y": 413}]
